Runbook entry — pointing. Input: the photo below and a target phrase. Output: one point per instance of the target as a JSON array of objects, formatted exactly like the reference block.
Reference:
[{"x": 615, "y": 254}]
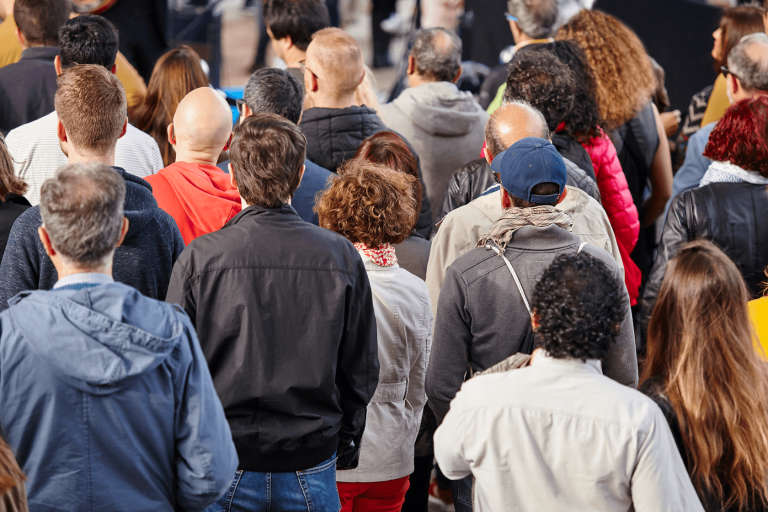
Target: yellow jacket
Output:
[
  {"x": 758, "y": 310},
  {"x": 10, "y": 52}
]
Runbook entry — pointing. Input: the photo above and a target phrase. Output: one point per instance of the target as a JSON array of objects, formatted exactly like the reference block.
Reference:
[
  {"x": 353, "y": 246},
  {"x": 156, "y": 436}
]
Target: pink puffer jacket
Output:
[{"x": 618, "y": 205}]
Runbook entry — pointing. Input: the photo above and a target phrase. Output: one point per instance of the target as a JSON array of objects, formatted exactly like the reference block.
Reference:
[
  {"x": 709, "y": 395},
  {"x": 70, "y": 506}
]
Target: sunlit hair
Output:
[
  {"x": 176, "y": 74},
  {"x": 736, "y": 23},
  {"x": 369, "y": 204},
  {"x": 9, "y": 182},
  {"x": 390, "y": 150},
  {"x": 701, "y": 344},
  {"x": 740, "y": 135},
  {"x": 624, "y": 78}
]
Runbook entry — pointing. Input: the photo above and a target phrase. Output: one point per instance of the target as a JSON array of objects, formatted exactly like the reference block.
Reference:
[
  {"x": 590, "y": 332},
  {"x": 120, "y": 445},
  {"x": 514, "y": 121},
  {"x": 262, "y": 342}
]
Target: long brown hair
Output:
[
  {"x": 175, "y": 75},
  {"x": 701, "y": 344},
  {"x": 9, "y": 182},
  {"x": 624, "y": 79},
  {"x": 736, "y": 23}
]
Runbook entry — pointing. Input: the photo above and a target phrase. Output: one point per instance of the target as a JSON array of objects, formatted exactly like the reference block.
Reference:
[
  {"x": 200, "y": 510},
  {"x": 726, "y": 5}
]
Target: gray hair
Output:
[
  {"x": 751, "y": 68},
  {"x": 492, "y": 137},
  {"x": 437, "y": 53},
  {"x": 82, "y": 211},
  {"x": 536, "y": 18}
]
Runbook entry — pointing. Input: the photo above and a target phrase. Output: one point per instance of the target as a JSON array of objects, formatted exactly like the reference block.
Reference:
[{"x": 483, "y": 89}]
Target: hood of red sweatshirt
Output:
[{"x": 199, "y": 197}]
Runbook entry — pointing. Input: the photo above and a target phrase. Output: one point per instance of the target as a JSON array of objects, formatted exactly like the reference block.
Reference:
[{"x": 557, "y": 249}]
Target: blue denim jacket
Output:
[{"x": 108, "y": 403}]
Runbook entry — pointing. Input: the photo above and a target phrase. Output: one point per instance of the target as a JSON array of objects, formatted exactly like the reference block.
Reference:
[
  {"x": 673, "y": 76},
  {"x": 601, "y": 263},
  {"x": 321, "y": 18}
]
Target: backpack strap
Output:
[{"x": 490, "y": 245}]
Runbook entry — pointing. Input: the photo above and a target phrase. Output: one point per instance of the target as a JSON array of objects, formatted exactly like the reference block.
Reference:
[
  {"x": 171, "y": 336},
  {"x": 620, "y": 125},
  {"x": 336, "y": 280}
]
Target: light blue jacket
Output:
[{"x": 108, "y": 403}]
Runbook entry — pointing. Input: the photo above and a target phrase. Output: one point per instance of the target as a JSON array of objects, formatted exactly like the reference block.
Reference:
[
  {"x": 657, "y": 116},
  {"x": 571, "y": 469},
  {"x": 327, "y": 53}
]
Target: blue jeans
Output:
[
  {"x": 312, "y": 490},
  {"x": 462, "y": 494}
]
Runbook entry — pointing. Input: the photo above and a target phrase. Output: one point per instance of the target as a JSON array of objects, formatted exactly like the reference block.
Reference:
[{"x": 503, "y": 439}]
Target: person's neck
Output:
[
  {"x": 63, "y": 270},
  {"x": 416, "y": 80},
  {"x": 197, "y": 157},
  {"x": 324, "y": 102},
  {"x": 73, "y": 157},
  {"x": 293, "y": 56}
]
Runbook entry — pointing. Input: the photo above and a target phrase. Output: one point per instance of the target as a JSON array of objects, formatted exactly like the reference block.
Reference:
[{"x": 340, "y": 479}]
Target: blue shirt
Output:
[{"x": 696, "y": 164}]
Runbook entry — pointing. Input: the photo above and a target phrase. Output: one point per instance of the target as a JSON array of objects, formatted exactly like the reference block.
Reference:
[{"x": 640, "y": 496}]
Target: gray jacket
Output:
[
  {"x": 446, "y": 127},
  {"x": 481, "y": 317}
]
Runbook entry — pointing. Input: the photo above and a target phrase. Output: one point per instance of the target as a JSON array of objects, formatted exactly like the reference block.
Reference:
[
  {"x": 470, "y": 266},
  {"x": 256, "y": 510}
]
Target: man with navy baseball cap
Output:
[{"x": 482, "y": 316}]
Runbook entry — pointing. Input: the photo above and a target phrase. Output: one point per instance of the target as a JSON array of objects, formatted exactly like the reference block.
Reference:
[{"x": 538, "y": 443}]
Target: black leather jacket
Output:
[
  {"x": 469, "y": 181},
  {"x": 732, "y": 215}
]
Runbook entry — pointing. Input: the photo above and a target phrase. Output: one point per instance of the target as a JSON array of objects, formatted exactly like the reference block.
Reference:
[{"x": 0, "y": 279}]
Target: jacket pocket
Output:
[{"x": 390, "y": 392}]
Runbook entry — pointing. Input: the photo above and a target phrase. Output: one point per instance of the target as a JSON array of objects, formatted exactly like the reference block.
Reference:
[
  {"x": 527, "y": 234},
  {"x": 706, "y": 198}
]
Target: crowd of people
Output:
[{"x": 536, "y": 302}]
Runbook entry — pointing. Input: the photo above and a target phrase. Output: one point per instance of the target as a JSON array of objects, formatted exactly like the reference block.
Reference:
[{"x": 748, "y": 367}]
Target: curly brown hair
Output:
[
  {"x": 623, "y": 72},
  {"x": 9, "y": 182},
  {"x": 368, "y": 203}
]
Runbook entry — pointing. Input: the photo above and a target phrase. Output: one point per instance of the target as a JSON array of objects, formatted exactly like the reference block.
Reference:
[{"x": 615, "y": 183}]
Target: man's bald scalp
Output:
[
  {"x": 512, "y": 122},
  {"x": 336, "y": 58},
  {"x": 203, "y": 120}
]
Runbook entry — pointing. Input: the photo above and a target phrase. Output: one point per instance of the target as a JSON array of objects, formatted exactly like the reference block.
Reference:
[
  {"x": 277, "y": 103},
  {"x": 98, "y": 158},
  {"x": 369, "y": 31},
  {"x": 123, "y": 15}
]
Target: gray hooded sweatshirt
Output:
[{"x": 446, "y": 128}]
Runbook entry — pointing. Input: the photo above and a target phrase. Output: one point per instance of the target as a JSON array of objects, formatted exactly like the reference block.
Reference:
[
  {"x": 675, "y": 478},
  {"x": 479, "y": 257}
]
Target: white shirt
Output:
[
  {"x": 404, "y": 333},
  {"x": 37, "y": 155},
  {"x": 560, "y": 436}
]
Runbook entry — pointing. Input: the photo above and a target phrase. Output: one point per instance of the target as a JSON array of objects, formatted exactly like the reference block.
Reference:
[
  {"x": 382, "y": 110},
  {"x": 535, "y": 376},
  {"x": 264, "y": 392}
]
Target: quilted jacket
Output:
[{"x": 617, "y": 202}]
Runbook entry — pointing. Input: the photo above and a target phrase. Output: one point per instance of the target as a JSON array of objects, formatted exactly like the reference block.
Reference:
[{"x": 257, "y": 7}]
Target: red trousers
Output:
[{"x": 373, "y": 496}]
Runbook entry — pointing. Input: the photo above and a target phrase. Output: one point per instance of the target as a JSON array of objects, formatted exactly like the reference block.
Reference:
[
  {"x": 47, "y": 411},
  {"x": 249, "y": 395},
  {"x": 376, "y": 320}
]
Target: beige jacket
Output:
[{"x": 460, "y": 229}]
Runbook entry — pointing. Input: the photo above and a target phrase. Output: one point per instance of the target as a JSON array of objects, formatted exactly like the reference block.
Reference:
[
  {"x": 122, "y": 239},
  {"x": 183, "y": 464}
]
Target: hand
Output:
[{"x": 671, "y": 122}]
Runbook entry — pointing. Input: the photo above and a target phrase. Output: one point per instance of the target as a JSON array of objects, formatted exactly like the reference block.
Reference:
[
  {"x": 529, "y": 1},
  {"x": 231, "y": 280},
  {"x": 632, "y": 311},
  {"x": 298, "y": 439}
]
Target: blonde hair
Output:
[{"x": 624, "y": 79}]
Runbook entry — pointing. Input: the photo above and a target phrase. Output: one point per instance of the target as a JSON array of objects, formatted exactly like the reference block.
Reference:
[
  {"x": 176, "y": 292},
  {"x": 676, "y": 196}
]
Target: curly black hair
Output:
[
  {"x": 579, "y": 307},
  {"x": 538, "y": 77},
  {"x": 583, "y": 122}
]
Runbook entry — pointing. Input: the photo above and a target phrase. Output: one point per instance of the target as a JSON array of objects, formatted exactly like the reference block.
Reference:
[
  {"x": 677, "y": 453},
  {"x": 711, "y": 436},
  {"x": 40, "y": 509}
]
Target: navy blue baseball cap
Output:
[{"x": 527, "y": 163}]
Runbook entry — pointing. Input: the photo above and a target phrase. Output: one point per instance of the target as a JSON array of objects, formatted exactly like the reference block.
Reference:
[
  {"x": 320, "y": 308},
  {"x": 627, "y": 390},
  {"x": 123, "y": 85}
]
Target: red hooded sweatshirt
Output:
[{"x": 199, "y": 197}]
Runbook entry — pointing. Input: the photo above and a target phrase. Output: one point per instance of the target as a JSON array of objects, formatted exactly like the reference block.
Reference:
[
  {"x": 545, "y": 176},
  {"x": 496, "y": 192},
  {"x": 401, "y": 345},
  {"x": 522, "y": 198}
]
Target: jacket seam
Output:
[{"x": 279, "y": 267}]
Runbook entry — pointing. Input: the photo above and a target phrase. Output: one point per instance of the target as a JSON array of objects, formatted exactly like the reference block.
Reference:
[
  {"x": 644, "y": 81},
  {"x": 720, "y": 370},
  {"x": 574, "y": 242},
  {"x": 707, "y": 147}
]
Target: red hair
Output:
[
  {"x": 740, "y": 136},
  {"x": 390, "y": 150}
]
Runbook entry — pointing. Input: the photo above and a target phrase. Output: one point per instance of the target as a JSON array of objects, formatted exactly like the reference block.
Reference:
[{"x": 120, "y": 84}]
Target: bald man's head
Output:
[
  {"x": 511, "y": 123},
  {"x": 336, "y": 61},
  {"x": 202, "y": 123}
]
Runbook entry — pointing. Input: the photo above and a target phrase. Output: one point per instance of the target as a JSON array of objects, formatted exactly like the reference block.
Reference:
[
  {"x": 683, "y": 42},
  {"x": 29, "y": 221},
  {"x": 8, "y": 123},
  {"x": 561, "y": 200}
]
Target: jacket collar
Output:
[
  {"x": 40, "y": 53},
  {"x": 133, "y": 179},
  {"x": 284, "y": 211},
  {"x": 370, "y": 266},
  {"x": 316, "y": 113},
  {"x": 531, "y": 238},
  {"x": 544, "y": 361}
]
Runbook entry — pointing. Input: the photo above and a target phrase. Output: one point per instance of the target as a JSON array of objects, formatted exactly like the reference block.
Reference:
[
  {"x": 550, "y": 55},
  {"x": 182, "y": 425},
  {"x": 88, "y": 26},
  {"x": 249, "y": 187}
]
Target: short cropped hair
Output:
[
  {"x": 541, "y": 79},
  {"x": 82, "y": 210},
  {"x": 579, "y": 306},
  {"x": 741, "y": 135},
  {"x": 275, "y": 91},
  {"x": 90, "y": 102},
  {"x": 437, "y": 54},
  {"x": 298, "y": 19},
  {"x": 88, "y": 39},
  {"x": 267, "y": 155},
  {"x": 369, "y": 204},
  {"x": 753, "y": 74},
  {"x": 536, "y": 18},
  {"x": 40, "y": 20}
]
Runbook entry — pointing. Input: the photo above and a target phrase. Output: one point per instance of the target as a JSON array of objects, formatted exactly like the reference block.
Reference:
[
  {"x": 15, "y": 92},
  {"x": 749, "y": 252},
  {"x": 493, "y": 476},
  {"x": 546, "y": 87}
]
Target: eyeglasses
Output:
[
  {"x": 510, "y": 17},
  {"x": 727, "y": 72},
  {"x": 304, "y": 68},
  {"x": 496, "y": 177},
  {"x": 239, "y": 105}
]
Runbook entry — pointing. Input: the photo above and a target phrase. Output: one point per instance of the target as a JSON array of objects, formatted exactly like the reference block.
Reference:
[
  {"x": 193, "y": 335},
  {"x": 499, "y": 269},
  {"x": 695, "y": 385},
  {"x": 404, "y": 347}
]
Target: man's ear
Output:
[
  {"x": 488, "y": 155},
  {"x": 458, "y": 75},
  {"x": 506, "y": 202},
  {"x": 229, "y": 142},
  {"x": 287, "y": 42},
  {"x": 247, "y": 112},
  {"x": 411, "y": 65},
  {"x": 60, "y": 131},
  {"x": 171, "y": 135},
  {"x": 114, "y": 68},
  {"x": 231, "y": 174},
  {"x": 735, "y": 84},
  {"x": 312, "y": 83},
  {"x": 125, "y": 128},
  {"x": 123, "y": 231},
  {"x": 46, "y": 240},
  {"x": 563, "y": 195},
  {"x": 20, "y": 37},
  {"x": 57, "y": 65}
]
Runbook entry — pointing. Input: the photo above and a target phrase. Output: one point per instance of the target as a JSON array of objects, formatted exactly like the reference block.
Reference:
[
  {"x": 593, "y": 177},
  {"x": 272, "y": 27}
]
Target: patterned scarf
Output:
[
  {"x": 383, "y": 256},
  {"x": 516, "y": 218}
]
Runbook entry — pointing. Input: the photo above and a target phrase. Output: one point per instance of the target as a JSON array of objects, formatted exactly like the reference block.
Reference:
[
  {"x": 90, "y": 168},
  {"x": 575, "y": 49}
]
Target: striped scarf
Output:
[{"x": 516, "y": 218}]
